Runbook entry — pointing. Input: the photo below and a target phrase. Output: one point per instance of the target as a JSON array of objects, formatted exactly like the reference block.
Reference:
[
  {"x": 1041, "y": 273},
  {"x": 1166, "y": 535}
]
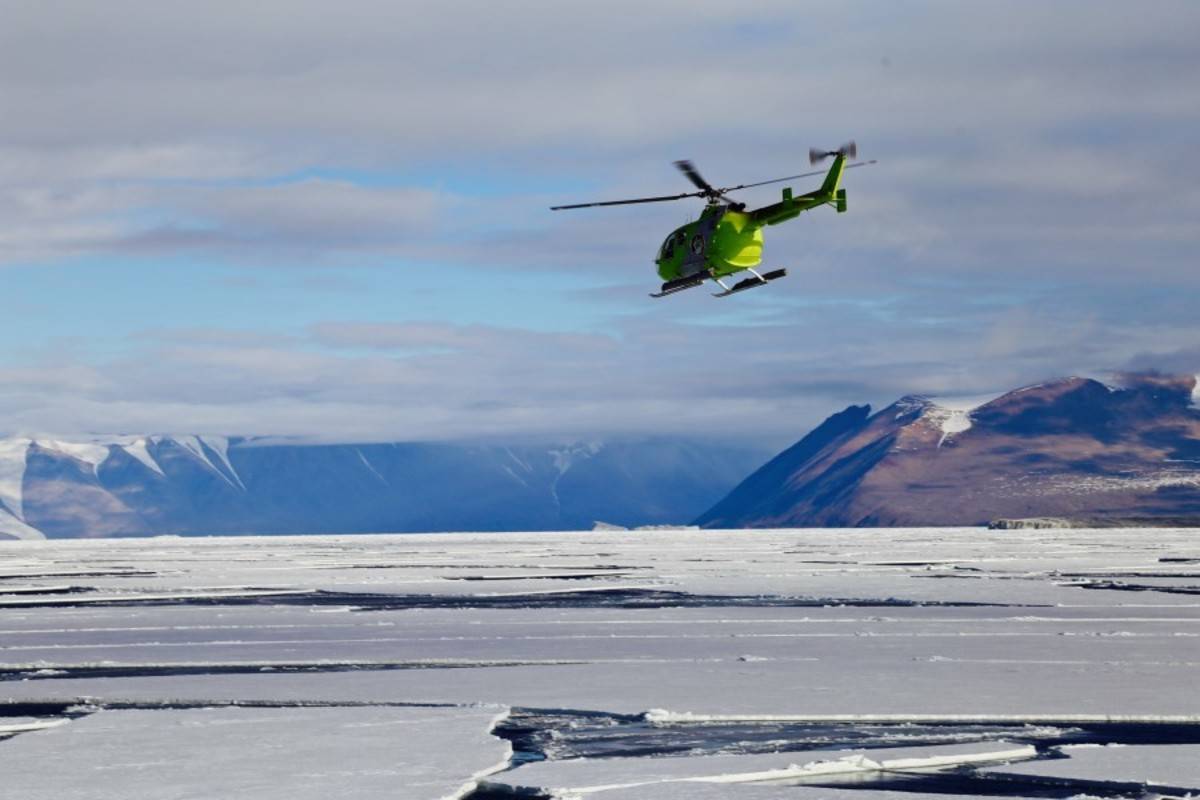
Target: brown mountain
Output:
[{"x": 1074, "y": 449}]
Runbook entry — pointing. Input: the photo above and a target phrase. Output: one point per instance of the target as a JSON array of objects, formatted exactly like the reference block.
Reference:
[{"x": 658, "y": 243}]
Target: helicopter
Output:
[{"x": 727, "y": 238}]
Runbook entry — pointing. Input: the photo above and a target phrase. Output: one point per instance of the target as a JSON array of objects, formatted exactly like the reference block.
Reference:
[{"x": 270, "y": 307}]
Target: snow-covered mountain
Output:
[
  {"x": 1073, "y": 449},
  {"x": 189, "y": 485}
]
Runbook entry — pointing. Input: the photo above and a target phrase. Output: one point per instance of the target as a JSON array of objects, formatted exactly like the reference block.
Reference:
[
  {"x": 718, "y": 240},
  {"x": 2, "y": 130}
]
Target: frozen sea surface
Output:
[
  {"x": 267, "y": 753},
  {"x": 755, "y": 664}
]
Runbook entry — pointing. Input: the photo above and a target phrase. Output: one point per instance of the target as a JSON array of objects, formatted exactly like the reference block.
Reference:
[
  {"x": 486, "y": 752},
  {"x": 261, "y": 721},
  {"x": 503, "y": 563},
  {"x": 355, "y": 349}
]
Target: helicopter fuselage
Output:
[
  {"x": 728, "y": 238},
  {"x": 722, "y": 241}
]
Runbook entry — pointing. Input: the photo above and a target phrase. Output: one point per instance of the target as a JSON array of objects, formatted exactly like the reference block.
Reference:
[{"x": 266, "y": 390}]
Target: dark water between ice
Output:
[
  {"x": 559, "y": 735},
  {"x": 538, "y": 735}
]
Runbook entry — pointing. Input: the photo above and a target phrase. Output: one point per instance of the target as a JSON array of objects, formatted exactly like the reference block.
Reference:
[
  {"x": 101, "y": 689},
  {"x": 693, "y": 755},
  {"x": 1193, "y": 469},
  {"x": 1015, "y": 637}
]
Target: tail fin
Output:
[
  {"x": 830, "y": 187},
  {"x": 833, "y": 178}
]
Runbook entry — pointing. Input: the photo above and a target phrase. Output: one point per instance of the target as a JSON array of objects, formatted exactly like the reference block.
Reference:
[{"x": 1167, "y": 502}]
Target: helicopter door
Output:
[{"x": 695, "y": 257}]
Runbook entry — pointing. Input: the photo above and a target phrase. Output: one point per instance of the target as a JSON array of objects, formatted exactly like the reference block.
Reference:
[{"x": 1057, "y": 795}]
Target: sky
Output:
[{"x": 330, "y": 221}]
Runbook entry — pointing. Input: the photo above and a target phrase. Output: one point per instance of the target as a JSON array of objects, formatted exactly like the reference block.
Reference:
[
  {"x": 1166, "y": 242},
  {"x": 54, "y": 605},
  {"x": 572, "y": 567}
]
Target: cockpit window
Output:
[{"x": 668, "y": 248}]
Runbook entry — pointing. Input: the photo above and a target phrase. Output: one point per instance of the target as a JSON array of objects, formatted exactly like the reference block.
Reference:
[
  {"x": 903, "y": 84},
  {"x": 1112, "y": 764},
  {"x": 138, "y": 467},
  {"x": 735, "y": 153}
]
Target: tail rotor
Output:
[{"x": 849, "y": 150}]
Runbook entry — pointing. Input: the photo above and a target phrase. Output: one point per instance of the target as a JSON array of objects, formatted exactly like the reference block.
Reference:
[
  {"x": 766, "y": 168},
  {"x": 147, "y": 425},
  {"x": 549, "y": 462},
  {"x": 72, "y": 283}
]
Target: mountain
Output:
[
  {"x": 191, "y": 485},
  {"x": 1073, "y": 449}
]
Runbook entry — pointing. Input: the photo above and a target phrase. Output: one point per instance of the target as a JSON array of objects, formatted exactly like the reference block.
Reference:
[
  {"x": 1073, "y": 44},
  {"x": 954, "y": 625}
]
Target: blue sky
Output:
[{"x": 288, "y": 221}]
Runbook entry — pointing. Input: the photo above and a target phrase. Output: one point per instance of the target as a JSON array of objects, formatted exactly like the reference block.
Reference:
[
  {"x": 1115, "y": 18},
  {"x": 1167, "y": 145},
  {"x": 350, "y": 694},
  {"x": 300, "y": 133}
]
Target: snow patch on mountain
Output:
[
  {"x": 953, "y": 414},
  {"x": 200, "y": 447},
  {"x": 95, "y": 451},
  {"x": 220, "y": 446},
  {"x": 567, "y": 457},
  {"x": 92, "y": 453},
  {"x": 191, "y": 444},
  {"x": 12, "y": 474},
  {"x": 92, "y": 450},
  {"x": 361, "y": 458},
  {"x": 524, "y": 465},
  {"x": 13, "y": 528},
  {"x": 911, "y": 405},
  {"x": 139, "y": 450}
]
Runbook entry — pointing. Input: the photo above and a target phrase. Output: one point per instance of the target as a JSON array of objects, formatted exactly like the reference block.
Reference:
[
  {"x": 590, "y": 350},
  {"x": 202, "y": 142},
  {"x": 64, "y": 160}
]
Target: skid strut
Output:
[{"x": 749, "y": 283}]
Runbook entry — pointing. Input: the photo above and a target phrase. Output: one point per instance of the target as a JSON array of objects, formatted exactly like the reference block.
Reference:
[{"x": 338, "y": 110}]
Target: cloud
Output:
[
  {"x": 1033, "y": 212},
  {"x": 343, "y": 380},
  {"x": 969, "y": 119}
]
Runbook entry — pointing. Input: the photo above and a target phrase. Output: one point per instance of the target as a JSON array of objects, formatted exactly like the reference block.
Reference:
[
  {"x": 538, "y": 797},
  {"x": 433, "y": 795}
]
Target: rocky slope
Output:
[
  {"x": 186, "y": 485},
  {"x": 1074, "y": 449}
]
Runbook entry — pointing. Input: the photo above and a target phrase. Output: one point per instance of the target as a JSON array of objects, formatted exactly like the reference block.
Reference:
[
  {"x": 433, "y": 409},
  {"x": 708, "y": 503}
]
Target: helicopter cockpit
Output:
[{"x": 667, "y": 250}]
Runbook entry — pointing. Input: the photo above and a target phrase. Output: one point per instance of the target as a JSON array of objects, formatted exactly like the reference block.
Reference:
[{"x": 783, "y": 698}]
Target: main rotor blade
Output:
[
  {"x": 794, "y": 177},
  {"x": 706, "y": 190},
  {"x": 689, "y": 169},
  {"x": 662, "y": 199}
]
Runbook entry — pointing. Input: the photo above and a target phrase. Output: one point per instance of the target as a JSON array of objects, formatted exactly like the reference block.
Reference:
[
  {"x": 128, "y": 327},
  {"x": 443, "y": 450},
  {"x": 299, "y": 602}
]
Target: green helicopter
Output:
[{"x": 728, "y": 238}]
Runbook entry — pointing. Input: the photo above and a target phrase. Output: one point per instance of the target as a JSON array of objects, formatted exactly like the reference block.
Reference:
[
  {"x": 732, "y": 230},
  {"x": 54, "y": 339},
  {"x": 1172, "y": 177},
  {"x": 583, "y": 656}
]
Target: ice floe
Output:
[{"x": 260, "y": 753}]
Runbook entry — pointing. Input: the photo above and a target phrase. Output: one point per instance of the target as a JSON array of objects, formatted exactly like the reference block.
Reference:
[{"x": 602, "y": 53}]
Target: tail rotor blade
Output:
[{"x": 849, "y": 150}]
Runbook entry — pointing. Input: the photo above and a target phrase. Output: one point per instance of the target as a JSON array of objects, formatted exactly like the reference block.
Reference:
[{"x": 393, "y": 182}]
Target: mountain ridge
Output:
[
  {"x": 1072, "y": 448},
  {"x": 192, "y": 485}
]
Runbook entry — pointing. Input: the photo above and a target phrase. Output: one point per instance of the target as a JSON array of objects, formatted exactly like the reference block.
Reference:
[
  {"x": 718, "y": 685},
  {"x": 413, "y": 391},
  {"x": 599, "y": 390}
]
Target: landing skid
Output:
[
  {"x": 680, "y": 284},
  {"x": 749, "y": 283}
]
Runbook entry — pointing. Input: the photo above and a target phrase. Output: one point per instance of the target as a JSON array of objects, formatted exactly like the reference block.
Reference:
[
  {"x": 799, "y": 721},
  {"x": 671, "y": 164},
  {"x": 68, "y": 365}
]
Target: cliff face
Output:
[
  {"x": 1072, "y": 448},
  {"x": 188, "y": 485}
]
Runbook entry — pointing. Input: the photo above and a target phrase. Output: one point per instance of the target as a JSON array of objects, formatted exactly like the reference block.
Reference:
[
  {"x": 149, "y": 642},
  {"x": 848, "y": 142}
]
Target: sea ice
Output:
[
  {"x": 259, "y": 753},
  {"x": 598, "y": 777},
  {"x": 1175, "y": 765},
  {"x": 684, "y": 630}
]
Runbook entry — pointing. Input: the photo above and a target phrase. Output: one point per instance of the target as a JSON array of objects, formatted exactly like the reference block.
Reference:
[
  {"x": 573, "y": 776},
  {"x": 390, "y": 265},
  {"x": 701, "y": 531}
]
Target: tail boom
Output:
[{"x": 791, "y": 207}]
